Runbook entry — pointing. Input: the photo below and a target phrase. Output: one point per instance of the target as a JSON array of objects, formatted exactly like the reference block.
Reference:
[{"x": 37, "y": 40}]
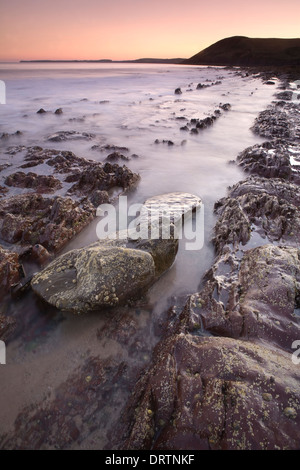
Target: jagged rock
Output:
[
  {"x": 63, "y": 136},
  {"x": 40, "y": 183},
  {"x": 102, "y": 177},
  {"x": 7, "y": 327},
  {"x": 284, "y": 95},
  {"x": 10, "y": 270},
  {"x": 115, "y": 156},
  {"x": 225, "y": 106},
  {"x": 252, "y": 296},
  {"x": 270, "y": 209},
  {"x": 270, "y": 159},
  {"x": 28, "y": 219},
  {"x": 208, "y": 393},
  {"x": 273, "y": 123}
]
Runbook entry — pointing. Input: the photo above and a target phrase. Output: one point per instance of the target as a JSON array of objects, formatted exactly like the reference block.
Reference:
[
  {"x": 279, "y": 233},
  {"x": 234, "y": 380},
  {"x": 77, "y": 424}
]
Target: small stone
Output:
[
  {"x": 267, "y": 396},
  {"x": 290, "y": 412}
]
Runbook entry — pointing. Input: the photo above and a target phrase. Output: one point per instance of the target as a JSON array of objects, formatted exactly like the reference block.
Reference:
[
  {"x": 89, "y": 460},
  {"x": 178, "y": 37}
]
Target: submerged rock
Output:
[{"x": 63, "y": 136}]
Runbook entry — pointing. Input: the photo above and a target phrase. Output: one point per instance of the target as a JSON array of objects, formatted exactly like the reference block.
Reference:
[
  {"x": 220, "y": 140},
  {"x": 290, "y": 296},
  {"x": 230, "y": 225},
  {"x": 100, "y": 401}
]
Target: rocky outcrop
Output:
[
  {"x": 271, "y": 159},
  {"x": 40, "y": 183},
  {"x": 216, "y": 393},
  {"x": 28, "y": 219},
  {"x": 63, "y": 136},
  {"x": 101, "y": 177},
  {"x": 268, "y": 208},
  {"x": 37, "y": 227},
  {"x": 253, "y": 296},
  {"x": 113, "y": 271}
]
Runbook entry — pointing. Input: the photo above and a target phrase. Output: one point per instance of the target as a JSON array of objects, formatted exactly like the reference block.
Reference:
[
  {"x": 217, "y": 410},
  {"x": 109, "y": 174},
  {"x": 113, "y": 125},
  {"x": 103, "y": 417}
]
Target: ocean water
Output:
[{"x": 133, "y": 106}]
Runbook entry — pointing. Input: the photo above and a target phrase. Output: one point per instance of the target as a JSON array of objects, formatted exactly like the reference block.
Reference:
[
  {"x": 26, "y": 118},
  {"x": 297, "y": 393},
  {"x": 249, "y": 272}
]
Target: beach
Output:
[{"x": 203, "y": 358}]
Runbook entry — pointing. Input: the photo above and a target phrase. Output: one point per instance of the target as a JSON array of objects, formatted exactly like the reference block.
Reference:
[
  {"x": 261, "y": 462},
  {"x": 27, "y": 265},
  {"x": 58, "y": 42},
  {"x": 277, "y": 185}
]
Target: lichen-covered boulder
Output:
[
  {"x": 94, "y": 277},
  {"x": 213, "y": 393}
]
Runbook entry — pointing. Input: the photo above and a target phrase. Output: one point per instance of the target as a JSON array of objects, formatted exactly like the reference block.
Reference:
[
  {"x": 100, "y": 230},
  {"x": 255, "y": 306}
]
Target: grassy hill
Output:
[{"x": 244, "y": 51}]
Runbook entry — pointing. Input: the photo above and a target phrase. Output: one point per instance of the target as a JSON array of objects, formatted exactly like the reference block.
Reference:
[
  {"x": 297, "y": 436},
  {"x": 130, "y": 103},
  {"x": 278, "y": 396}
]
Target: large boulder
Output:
[{"x": 97, "y": 276}]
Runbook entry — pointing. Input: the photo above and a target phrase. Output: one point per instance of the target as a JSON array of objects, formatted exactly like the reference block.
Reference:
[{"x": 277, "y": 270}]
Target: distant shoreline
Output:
[{"x": 110, "y": 61}]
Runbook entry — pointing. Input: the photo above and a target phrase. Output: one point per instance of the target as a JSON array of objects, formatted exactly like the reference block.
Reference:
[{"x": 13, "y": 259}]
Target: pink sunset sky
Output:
[{"x": 131, "y": 29}]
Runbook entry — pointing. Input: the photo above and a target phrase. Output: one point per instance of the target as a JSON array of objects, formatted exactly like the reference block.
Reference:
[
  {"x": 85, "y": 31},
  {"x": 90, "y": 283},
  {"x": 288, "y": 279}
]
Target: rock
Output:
[
  {"x": 99, "y": 197},
  {"x": 3, "y": 190},
  {"x": 40, "y": 183},
  {"x": 41, "y": 111},
  {"x": 5, "y": 135},
  {"x": 63, "y": 136},
  {"x": 102, "y": 177},
  {"x": 225, "y": 106},
  {"x": 206, "y": 393},
  {"x": 269, "y": 208},
  {"x": 164, "y": 141},
  {"x": 28, "y": 219},
  {"x": 201, "y": 85},
  {"x": 115, "y": 156},
  {"x": 251, "y": 296},
  {"x": 10, "y": 270},
  {"x": 95, "y": 277},
  {"x": 284, "y": 95},
  {"x": 114, "y": 148},
  {"x": 58, "y": 111},
  {"x": 7, "y": 327},
  {"x": 178, "y": 91},
  {"x": 270, "y": 160},
  {"x": 273, "y": 123},
  {"x": 35, "y": 254}
]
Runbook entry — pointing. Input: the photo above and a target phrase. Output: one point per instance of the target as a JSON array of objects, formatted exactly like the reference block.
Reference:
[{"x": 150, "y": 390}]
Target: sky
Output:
[{"x": 131, "y": 29}]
